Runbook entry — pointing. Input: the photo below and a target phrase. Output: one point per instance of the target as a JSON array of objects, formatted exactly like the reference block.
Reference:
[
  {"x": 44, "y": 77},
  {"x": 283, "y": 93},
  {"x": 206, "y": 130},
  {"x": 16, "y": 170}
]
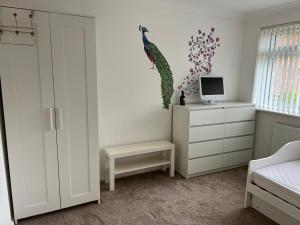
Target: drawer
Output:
[
  {"x": 239, "y": 129},
  {"x": 205, "y": 117},
  {"x": 206, "y": 133},
  {"x": 238, "y": 143},
  {"x": 205, "y": 164},
  {"x": 237, "y": 158},
  {"x": 239, "y": 114},
  {"x": 206, "y": 148}
]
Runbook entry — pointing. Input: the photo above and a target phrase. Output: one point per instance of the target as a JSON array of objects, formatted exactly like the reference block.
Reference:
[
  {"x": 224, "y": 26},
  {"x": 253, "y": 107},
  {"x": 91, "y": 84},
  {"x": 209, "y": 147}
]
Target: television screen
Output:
[{"x": 212, "y": 86}]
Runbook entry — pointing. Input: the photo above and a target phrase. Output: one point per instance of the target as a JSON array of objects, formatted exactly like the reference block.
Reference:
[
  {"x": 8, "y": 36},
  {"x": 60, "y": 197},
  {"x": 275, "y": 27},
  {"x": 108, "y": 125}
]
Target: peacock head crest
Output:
[{"x": 143, "y": 29}]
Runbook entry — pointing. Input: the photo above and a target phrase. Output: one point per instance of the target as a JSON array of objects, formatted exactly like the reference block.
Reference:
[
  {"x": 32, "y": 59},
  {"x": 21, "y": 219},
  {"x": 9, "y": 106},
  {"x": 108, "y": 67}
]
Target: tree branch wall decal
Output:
[{"x": 202, "y": 48}]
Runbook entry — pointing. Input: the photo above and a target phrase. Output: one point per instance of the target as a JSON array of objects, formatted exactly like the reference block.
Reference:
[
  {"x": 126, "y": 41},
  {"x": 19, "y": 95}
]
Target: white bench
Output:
[{"x": 125, "y": 151}]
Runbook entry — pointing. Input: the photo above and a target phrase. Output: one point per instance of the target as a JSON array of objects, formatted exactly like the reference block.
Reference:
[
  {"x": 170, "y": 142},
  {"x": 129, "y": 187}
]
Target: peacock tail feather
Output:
[{"x": 165, "y": 74}]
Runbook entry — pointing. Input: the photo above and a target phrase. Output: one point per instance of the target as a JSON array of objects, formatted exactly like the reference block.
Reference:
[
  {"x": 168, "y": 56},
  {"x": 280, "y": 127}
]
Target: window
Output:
[{"x": 277, "y": 83}]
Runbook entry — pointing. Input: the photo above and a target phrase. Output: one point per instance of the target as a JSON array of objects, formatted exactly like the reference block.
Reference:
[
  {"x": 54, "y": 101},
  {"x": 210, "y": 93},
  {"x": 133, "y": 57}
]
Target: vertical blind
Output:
[{"x": 277, "y": 83}]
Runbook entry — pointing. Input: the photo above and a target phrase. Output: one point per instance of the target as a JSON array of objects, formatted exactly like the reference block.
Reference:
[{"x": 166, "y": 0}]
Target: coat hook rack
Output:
[
  {"x": 18, "y": 29},
  {"x": 1, "y": 34},
  {"x": 16, "y": 21},
  {"x": 31, "y": 22}
]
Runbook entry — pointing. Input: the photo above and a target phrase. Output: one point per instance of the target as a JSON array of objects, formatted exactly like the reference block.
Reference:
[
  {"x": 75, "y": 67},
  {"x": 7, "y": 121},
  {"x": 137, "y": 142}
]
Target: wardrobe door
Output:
[
  {"x": 28, "y": 99},
  {"x": 75, "y": 85}
]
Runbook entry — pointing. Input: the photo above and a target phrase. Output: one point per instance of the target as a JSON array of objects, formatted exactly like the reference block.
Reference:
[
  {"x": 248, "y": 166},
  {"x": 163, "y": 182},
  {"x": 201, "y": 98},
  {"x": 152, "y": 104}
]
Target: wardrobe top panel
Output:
[{"x": 40, "y": 10}]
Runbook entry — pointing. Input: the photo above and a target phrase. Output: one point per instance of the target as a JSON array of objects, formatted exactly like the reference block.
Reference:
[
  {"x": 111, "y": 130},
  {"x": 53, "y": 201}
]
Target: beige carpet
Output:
[{"x": 156, "y": 199}]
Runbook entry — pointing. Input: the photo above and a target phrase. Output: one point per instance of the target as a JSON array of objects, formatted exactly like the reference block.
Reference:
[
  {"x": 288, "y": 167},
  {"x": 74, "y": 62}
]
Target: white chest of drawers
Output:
[{"x": 212, "y": 138}]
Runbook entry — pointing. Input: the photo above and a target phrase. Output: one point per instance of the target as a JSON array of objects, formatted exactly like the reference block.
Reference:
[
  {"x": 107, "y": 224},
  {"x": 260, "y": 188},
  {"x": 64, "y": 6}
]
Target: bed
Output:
[{"x": 273, "y": 185}]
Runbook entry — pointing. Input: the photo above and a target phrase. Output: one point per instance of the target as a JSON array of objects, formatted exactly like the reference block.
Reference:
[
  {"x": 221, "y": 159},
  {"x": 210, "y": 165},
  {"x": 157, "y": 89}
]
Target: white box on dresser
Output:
[{"x": 212, "y": 138}]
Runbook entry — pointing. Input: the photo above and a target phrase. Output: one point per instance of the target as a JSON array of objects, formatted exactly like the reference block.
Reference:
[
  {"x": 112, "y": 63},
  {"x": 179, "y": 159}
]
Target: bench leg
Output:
[
  {"x": 111, "y": 174},
  {"x": 172, "y": 160},
  {"x": 164, "y": 155}
]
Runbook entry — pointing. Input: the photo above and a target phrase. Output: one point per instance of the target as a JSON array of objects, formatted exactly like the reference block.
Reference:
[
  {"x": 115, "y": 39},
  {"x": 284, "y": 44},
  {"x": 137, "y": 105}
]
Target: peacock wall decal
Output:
[{"x": 162, "y": 66}]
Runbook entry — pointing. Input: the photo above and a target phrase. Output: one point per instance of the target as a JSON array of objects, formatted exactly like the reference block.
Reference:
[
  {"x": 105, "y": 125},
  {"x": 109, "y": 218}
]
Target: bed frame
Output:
[{"x": 273, "y": 207}]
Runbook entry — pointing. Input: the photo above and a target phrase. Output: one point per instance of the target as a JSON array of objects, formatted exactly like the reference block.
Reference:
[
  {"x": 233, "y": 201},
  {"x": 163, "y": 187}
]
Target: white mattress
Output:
[{"x": 282, "y": 180}]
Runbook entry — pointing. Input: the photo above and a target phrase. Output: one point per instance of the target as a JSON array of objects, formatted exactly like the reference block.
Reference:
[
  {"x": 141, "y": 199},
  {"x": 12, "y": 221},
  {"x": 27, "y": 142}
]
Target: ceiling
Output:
[{"x": 243, "y": 6}]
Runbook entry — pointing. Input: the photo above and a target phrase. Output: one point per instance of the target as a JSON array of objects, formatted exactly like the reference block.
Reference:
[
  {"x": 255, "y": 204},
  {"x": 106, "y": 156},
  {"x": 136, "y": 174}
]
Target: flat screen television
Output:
[{"x": 211, "y": 88}]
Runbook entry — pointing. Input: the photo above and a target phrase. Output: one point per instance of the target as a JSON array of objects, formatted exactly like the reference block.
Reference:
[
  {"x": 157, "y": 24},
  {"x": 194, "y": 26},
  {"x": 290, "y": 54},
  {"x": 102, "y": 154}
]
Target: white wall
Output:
[
  {"x": 131, "y": 109},
  {"x": 264, "y": 120},
  {"x": 130, "y": 106}
]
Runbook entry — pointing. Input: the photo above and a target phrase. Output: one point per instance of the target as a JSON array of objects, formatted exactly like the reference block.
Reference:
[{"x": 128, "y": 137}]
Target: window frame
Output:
[{"x": 277, "y": 49}]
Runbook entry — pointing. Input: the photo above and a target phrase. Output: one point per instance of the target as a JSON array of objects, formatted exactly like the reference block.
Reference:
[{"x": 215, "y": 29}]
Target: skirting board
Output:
[{"x": 272, "y": 212}]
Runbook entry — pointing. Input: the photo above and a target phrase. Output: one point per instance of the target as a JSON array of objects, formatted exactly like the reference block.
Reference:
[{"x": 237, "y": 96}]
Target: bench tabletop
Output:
[{"x": 138, "y": 148}]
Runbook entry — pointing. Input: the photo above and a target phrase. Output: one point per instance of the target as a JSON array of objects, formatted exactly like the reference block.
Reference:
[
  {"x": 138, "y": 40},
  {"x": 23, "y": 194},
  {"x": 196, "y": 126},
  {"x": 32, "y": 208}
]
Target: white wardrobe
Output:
[{"x": 49, "y": 90}]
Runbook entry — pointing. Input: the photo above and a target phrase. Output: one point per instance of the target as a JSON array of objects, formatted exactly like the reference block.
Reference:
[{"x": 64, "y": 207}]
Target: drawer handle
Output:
[
  {"x": 58, "y": 118},
  {"x": 50, "y": 118}
]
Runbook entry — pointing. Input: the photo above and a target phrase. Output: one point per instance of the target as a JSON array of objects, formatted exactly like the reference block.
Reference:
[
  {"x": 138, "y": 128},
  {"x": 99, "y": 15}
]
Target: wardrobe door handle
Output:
[
  {"x": 58, "y": 118},
  {"x": 51, "y": 118}
]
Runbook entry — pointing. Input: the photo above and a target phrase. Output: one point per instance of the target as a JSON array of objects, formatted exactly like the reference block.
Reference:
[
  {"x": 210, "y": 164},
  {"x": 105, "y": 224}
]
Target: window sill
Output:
[{"x": 278, "y": 113}]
